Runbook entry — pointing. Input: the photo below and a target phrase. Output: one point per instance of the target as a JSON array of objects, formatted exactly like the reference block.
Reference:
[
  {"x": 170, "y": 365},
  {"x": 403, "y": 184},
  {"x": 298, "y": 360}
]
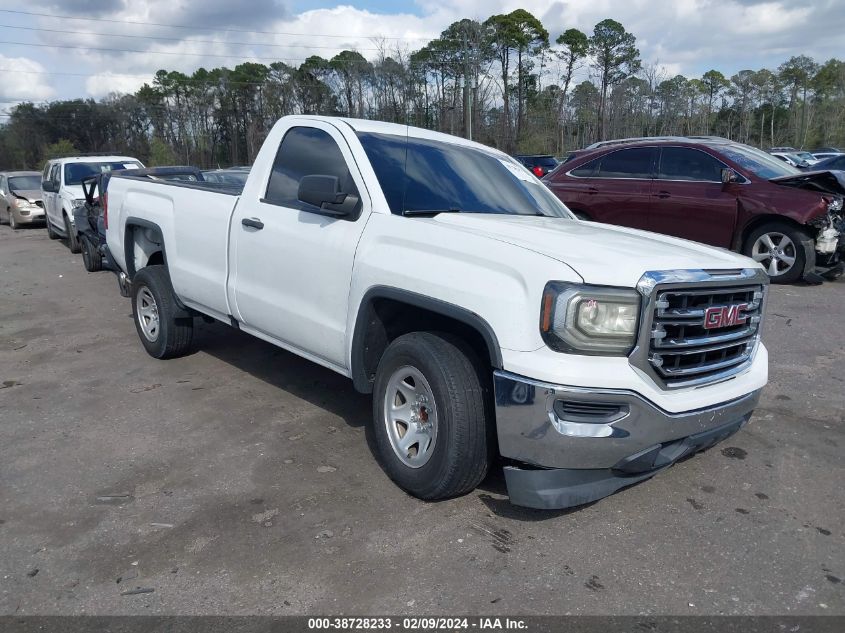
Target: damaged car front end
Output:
[{"x": 826, "y": 226}]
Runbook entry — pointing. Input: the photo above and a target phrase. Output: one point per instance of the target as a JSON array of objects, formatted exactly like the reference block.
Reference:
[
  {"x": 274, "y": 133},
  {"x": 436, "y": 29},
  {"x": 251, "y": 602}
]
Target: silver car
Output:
[{"x": 20, "y": 198}]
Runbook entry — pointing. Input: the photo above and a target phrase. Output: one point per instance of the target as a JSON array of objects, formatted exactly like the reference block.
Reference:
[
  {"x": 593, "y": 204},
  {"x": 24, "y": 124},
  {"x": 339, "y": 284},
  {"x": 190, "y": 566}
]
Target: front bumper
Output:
[
  {"x": 28, "y": 216},
  {"x": 575, "y": 445}
]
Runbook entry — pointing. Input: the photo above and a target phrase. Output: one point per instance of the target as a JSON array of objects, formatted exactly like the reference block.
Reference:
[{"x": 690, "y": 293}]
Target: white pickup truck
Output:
[{"x": 490, "y": 325}]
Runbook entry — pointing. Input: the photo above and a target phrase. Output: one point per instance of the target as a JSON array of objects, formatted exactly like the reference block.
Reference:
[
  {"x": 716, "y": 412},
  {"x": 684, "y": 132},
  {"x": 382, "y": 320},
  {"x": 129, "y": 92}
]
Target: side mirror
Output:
[
  {"x": 324, "y": 192},
  {"x": 47, "y": 185},
  {"x": 729, "y": 176}
]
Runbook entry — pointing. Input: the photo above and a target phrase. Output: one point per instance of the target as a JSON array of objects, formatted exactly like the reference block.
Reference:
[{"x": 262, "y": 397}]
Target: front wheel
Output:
[
  {"x": 13, "y": 223},
  {"x": 163, "y": 334},
  {"x": 779, "y": 248},
  {"x": 429, "y": 416},
  {"x": 72, "y": 239},
  {"x": 91, "y": 258}
]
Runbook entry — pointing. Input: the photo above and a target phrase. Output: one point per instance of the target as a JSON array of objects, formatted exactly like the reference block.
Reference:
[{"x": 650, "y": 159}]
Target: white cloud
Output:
[
  {"x": 104, "y": 84},
  {"x": 22, "y": 80}
]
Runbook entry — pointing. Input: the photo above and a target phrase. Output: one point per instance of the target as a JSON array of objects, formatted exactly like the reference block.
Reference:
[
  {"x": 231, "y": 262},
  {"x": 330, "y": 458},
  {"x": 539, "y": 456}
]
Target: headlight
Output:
[
  {"x": 835, "y": 205},
  {"x": 595, "y": 320},
  {"x": 77, "y": 203}
]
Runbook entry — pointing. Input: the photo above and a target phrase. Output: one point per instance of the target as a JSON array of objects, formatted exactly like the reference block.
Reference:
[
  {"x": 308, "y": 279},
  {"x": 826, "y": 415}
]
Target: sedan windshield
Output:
[
  {"x": 25, "y": 183},
  {"x": 757, "y": 162},
  {"x": 420, "y": 176},
  {"x": 75, "y": 172}
]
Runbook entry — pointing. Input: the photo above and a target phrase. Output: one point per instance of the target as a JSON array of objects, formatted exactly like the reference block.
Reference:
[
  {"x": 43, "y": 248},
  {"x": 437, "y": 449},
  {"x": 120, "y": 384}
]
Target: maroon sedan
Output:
[{"x": 714, "y": 191}]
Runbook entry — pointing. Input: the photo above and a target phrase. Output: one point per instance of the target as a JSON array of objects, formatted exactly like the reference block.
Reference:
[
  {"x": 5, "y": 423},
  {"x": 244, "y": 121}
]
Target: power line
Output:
[
  {"x": 200, "y": 28},
  {"x": 181, "y": 54},
  {"x": 176, "y": 39}
]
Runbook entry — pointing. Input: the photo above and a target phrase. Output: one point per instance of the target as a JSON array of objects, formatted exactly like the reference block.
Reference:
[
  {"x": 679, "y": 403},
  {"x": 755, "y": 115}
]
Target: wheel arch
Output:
[
  {"x": 386, "y": 313},
  {"x": 760, "y": 220},
  {"x": 143, "y": 243}
]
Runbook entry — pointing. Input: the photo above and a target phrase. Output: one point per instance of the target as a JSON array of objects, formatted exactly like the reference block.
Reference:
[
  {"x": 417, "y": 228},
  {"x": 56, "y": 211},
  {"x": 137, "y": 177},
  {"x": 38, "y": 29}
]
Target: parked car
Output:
[
  {"x": 232, "y": 176},
  {"x": 20, "y": 198},
  {"x": 714, "y": 191},
  {"x": 61, "y": 189},
  {"x": 837, "y": 161},
  {"x": 807, "y": 157},
  {"x": 823, "y": 155},
  {"x": 539, "y": 164},
  {"x": 443, "y": 278},
  {"x": 792, "y": 159}
]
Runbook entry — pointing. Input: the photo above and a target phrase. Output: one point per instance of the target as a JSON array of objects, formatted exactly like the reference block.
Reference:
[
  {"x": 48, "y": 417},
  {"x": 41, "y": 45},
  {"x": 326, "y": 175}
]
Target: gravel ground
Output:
[{"x": 240, "y": 480}]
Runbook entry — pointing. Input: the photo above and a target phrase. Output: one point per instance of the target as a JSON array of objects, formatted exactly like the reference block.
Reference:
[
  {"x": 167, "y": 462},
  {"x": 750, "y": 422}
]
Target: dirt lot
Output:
[{"x": 239, "y": 480}]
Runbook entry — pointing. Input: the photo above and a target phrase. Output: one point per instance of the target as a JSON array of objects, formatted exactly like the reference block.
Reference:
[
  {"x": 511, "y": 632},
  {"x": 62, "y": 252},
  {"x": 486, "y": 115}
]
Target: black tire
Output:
[
  {"x": 794, "y": 250},
  {"x": 13, "y": 224},
  {"x": 462, "y": 449},
  {"x": 50, "y": 232},
  {"x": 173, "y": 333},
  {"x": 91, "y": 258},
  {"x": 72, "y": 239}
]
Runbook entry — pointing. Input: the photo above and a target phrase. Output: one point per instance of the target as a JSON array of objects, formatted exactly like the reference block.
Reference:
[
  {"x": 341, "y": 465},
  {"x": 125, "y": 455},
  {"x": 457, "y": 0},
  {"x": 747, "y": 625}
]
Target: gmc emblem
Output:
[{"x": 725, "y": 316}]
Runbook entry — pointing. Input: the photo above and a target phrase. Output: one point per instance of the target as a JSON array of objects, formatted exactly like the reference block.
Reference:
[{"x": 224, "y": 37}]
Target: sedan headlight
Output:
[{"x": 594, "y": 320}]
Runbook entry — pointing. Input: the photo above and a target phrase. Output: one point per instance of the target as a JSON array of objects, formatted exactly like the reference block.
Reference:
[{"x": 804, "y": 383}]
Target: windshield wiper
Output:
[{"x": 409, "y": 212}]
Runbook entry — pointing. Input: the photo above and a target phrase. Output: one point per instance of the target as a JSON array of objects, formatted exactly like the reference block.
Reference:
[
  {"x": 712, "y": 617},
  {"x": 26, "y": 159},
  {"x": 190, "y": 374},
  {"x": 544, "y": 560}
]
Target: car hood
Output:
[
  {"x": 33, "y": 195},
  {"x": 73, "y": 191},
  {"x": 600, "y": 253},
  {"x": 826, "y": 181}
]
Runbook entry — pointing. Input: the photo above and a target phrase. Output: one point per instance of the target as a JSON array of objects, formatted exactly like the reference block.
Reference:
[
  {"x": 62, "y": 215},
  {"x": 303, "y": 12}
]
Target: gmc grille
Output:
[{"x": 699, "y": 334}]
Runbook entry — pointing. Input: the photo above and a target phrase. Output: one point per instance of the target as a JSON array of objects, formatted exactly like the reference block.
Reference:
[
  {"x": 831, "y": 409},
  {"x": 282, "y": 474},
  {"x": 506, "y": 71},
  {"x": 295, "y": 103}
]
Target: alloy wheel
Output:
[
  {"x": 776, "y": 252},
  {"x": 147, "y": 314}
]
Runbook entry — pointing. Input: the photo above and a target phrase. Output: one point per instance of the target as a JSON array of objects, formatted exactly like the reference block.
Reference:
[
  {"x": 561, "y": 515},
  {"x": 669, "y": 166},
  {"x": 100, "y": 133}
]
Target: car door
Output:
[
  {"x": 292, "y": 263},
  {"x": 690, "y": 200},
  {"x": 617, "y": 190},
  {"x": 53, "y": 207}
]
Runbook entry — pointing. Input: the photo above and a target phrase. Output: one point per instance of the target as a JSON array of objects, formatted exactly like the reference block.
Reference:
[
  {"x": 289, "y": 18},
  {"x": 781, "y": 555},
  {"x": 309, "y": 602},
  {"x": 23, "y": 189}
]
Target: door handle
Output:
[
  {"x": 592, "y": 191},
  {"x": 253, "y": 223},
  {"x": 662, "y": 194}
]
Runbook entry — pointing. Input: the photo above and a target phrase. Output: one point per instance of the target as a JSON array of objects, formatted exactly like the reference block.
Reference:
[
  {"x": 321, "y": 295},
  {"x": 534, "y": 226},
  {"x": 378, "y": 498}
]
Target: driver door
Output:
[{"x": 293, "y": 264}]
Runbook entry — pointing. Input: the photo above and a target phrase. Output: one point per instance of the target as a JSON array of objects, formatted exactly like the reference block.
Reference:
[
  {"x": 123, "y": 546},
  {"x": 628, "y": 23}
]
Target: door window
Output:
[
  {"x": 305, "y": 151},
  {"x": 636, "y": 162},
  {"x": 587, "y": 170},
  {"x": 54, "y": 174},
  {"x": 683, "y": 163}
]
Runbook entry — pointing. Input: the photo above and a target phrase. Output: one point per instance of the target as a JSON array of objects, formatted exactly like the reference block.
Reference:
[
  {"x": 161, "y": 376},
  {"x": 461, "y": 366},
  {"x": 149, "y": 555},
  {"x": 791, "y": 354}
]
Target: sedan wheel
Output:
[{"x": 776, "y": 252}]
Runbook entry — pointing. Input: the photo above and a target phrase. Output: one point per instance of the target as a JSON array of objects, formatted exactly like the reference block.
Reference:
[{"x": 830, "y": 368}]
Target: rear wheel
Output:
[
  {"x": 72, "y": 239},
  {"x": 162, "y": 333},
  {"x": 50, "y": 232},
  {"x": 91, "y": 258},
  {"x": 779, "y": 248},
  {"x": 429, "y": 416}
]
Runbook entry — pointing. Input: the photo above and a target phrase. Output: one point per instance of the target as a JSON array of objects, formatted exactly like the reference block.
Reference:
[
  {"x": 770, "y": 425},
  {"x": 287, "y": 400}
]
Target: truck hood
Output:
[
  {"x": 829, "y": 181},
  {"x": 600, "y": 253}
]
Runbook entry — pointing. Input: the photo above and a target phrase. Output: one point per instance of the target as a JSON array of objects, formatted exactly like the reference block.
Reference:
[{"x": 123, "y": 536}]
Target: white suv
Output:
[{"x": 61, "y": 189}]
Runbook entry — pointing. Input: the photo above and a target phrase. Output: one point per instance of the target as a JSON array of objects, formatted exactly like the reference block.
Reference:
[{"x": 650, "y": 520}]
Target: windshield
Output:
[
  {"x": 25, "y": 183},
  {"x": 420, "y": 175},
  {"x": 757, "y": 162},
  {"x": 75, "y": 172}
]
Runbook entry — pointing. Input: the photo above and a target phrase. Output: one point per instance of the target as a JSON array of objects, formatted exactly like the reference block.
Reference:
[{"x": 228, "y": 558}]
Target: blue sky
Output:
[{"x": 678, "y": 36}]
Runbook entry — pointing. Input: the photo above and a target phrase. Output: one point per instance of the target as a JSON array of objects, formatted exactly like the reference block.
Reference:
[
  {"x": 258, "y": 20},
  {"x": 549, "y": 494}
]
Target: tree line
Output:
[{"x": 504, "y": 82}]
